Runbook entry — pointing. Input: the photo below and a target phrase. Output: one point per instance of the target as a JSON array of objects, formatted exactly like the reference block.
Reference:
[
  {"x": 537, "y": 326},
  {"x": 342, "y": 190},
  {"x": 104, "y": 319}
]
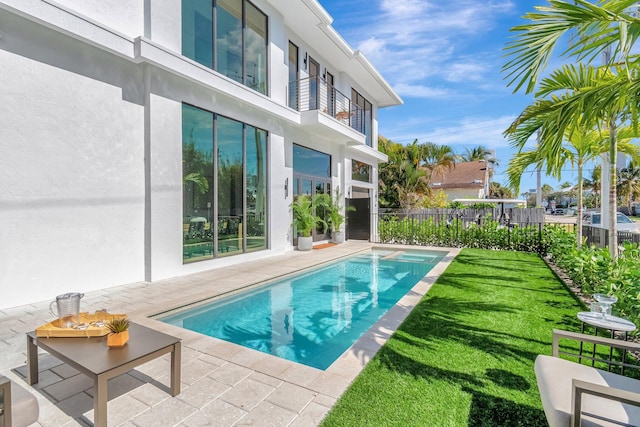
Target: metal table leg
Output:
[
  {"x": 582, "y": 332},
  {"x": 175, "y": 368},
  {"x": 593, "y": 355},
  {"x": 624, "y": 353},
  {"x": 611, "y": 350},
  {"x": 100, "y": 401},
  {"x": 32, "y": 360}
]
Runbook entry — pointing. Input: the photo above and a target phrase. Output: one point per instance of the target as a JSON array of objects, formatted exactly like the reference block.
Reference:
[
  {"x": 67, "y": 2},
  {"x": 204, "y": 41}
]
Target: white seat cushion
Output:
[
  {"x": 555, "y": 377},
  {"x": 24, "y": 406}
]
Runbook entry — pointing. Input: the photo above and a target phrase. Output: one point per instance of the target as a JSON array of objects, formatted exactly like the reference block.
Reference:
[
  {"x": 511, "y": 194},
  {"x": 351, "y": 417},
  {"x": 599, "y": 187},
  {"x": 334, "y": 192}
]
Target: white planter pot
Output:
[
  {"x": 305, "y": 243},
  {"x": 337, "y": 236}
]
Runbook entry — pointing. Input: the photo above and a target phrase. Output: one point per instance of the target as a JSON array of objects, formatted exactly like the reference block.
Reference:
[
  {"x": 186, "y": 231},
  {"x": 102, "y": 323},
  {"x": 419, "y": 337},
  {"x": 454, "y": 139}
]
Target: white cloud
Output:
[
  {"x": 404, "y": 8},
  {"x": 467, "y": 132},
  {"x": 466, "y": 71},
  {"x": 417, "y": 43},
  {"x": 420, "y": 91},
  {"x": 473, "y": 132}
]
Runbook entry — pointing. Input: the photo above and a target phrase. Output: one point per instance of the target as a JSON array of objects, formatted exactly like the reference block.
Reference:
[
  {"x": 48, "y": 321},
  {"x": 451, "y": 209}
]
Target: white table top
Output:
[{"x": 611, "y": 322}]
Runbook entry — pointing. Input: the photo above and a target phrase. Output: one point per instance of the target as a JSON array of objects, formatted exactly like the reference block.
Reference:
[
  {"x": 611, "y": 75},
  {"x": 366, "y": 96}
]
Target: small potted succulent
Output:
[{"x": 119, "y": 332}]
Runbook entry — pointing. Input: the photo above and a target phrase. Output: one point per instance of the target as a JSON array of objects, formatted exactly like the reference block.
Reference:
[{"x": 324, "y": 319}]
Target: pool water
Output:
[{"x": 313, "y": 317}]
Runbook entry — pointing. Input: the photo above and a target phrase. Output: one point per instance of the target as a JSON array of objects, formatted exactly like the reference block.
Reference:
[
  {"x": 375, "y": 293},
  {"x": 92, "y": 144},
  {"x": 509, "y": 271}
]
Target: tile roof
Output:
[{"x": 463, "y": 175}]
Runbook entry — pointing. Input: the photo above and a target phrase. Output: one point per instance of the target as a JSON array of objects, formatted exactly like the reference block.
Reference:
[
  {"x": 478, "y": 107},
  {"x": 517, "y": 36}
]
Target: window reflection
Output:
[
  {"x": 256, "y": 189},
  {"x": 256, "y": 49},
  {"x": 230, "y": 172},
  {"x": 236, "y": 220},
  {"x": 197, "y": 31},
  {"x": 238, "y": 44},
  {"x": 229, "y": 38},
  {"x": 360, "y": 171},
  {"x": 311, "y": 162},
  {"x": 197, "y": 174}
]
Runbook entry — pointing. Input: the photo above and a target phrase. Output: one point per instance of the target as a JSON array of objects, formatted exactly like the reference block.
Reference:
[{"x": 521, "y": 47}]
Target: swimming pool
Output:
[{"x": 315, "y": 316}]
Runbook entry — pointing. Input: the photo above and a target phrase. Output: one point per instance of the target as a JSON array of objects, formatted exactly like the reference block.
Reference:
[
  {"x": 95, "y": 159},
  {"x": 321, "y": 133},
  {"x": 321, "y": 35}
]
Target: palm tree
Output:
[
  {"x": 436, "y": 159},
  {"x": 614, "y": 96},
  {"x": 583, "y": 144},
  {"x": 497, "y": 191},
  {"x": 480, "y": 153},
  {"x": 629, "y": 183},
  {"x": 199, "y": 180},
  {"x": 594, "y": 183},
  {"x": 546, "y": 190},
  {"x": 477, "y": 154}
]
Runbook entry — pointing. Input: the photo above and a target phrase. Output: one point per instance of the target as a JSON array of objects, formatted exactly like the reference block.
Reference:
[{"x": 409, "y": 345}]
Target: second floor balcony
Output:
[{"x": 315, "y": 95}]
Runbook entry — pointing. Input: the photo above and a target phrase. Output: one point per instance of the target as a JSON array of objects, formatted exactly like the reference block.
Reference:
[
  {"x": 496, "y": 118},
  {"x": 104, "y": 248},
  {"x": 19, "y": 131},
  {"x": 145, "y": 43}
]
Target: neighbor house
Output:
[
  {"x": 143, "y": 140},
  {"x": 464, "y": 180}
]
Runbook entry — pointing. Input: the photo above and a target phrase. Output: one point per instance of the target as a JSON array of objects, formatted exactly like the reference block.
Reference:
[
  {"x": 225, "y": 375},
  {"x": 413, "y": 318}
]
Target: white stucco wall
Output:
[
  {"x": 461, "y": 193},
  {"x": 126, "y": 17},
  {"x": 71, "y": 181}
]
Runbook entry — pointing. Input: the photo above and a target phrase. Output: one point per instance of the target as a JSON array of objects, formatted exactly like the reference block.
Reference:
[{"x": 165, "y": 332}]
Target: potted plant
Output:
[
  {"x": 119, "y": 332},
  {"x": 304, "y": 220},
  {"x": 333, "y": 210}
]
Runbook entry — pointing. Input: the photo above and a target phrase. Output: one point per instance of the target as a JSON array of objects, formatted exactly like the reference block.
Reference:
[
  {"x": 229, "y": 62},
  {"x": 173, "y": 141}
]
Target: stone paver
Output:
[{"x": 222, "y": 384}]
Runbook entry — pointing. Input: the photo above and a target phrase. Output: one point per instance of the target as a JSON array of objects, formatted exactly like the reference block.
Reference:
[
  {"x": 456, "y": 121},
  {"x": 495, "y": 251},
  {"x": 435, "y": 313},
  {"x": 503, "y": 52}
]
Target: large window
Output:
[
  {"x": 362, "y": 118},
  {"x": 229, "y": 36},
  {"x": 226, "y": 215}
]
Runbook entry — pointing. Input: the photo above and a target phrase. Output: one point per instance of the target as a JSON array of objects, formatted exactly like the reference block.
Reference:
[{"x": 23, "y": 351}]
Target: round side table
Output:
[{"x": 611, "y": 323}]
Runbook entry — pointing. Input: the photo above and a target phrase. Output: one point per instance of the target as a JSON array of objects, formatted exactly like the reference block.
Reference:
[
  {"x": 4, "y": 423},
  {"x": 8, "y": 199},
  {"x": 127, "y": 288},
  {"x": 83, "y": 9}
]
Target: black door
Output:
[{"x": 359, "y": 221}]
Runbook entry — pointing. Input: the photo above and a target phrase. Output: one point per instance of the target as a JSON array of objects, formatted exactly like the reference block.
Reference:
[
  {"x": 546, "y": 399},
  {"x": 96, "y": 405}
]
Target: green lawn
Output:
[{"x": 464, "y": 356}]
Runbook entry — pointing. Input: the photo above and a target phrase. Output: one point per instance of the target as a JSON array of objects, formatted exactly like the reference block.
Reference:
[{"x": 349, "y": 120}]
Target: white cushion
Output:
[
  {"x": 555, "y": 377},
  {"x": 24, "y": 406}
]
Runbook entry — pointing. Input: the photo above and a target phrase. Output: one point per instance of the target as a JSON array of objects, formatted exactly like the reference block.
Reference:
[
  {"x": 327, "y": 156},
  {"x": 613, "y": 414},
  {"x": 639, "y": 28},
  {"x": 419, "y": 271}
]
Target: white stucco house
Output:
[{"x": 143, "y": 140}]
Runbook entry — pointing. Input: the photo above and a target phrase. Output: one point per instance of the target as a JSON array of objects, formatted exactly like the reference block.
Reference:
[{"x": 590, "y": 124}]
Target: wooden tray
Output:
[{"x": 52, "y": 329}]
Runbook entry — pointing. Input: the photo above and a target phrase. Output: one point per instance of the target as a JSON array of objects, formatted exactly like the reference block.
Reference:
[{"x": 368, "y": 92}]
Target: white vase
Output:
[
  {"x": 305, "y": 243},
  {"x": 337, "y": 236}
]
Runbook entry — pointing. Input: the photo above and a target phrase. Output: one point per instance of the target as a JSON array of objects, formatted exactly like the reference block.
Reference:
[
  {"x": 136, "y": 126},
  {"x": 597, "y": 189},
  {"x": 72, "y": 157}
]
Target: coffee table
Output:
[{"x": 92, "y": 357}]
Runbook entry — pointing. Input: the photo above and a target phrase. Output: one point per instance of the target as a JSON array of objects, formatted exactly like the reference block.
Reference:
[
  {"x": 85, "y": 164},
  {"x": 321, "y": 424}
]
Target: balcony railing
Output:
[{"x": 314, "y": 93}]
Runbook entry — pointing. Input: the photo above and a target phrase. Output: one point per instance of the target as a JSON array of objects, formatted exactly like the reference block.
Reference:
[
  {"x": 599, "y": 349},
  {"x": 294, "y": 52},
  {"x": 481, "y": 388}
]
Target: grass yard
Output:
[{"x": 464, "y": 356}]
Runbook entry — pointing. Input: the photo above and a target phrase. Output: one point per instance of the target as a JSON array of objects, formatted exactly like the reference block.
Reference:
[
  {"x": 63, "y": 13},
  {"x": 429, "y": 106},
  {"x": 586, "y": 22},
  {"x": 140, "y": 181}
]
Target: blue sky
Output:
[{"x": 444, "y": 59}]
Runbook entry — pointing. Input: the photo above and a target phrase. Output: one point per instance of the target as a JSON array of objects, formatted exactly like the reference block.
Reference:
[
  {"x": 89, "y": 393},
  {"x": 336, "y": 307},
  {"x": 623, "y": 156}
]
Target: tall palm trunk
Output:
[
  {"x": 579, "y": 220},
  {"x": 613, "y": 208}
]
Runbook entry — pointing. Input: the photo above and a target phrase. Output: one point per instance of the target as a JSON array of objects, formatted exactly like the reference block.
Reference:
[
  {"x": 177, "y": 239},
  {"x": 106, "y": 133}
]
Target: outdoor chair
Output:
[
  {"x": 575, "y": 395},
  {"x": 18, "y": 407}
]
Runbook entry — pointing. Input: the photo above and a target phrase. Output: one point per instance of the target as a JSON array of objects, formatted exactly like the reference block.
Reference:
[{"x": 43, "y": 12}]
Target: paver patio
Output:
[{"x": 223, "y": 384}]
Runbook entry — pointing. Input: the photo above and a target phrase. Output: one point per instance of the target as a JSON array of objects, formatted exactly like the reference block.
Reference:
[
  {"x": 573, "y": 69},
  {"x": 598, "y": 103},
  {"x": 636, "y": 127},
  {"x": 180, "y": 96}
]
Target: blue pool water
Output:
[{"x": 313, "y": 317}]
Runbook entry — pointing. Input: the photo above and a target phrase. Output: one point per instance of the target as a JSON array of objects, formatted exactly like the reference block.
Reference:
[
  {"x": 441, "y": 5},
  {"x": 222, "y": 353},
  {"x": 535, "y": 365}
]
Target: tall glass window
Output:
[
  {"x": 294, "y": 74},
  {"x": 233, "y": 43},
  {"x": 229, "y": 38},
  {"x": 197, "y": 31},
  {"x": 256, "y": 196},
  {"x": 197, "y": 180},
  {"x": 363, "y": 116},
  {"x": 230, "y": 174},
  {"x": 226, "y": 215},
  {"x": 255, "y": 51}
]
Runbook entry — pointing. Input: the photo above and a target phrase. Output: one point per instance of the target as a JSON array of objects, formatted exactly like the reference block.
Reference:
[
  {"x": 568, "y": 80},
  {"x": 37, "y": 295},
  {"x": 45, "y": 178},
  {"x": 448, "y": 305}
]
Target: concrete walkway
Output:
[{"x": 223, "y": 384}]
